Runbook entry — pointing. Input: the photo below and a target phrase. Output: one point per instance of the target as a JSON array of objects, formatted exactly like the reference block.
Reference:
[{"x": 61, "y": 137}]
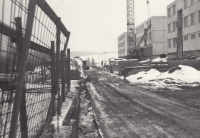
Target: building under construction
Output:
[
  {"x": 154, "y": 42},
  {"x": 150, "y": 37}
]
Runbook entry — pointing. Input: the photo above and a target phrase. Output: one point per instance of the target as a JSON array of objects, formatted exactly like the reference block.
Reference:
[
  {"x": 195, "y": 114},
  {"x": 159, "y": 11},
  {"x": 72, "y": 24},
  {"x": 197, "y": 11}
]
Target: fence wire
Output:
[
  {"x": 34, "y": 111},
  {"x": 7, "y": 82}
]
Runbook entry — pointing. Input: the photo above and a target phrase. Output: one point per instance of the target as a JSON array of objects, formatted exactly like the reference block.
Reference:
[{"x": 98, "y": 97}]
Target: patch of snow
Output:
[
  {"x": 158, "y": 59},
  {"x": 144, "y": 61},
  {"x": 177, "y": 76},
  {"x": 65, "y": 108},
  {"x": 36, "y": 86}
]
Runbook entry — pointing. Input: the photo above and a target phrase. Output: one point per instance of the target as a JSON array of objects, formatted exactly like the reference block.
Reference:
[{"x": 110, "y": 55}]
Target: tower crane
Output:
[
  {"x": 134, "y": 50},
  {"x": 130, "y": 26}
]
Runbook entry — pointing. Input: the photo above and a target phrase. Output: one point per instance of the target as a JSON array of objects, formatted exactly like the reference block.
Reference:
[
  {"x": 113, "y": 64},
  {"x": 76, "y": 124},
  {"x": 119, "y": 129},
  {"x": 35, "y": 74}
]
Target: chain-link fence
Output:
[{"x": 32, "y": 37}]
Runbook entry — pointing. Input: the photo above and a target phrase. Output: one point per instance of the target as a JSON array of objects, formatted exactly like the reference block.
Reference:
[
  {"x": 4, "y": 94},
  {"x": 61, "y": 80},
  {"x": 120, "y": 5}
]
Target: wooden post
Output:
[
  {"x": 66, "y": 43},
  {"x": 53, "y": 85},
  {"x": 22, "y": 68},
  {"x": 23, "y": 113},
  {"x": 57, "y": 75},
  {"x": 68, "y": 69},
  {"x": 63, "y": 75},
  {"x": 23, "y": 116}
]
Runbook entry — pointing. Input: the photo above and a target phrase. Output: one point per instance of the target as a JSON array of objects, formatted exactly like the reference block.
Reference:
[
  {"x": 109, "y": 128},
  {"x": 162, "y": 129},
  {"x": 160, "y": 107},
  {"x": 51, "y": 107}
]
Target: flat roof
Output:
[
  {"x": 122, "y": 34},
  {"x": 171, "y": 4},
  {"x": 152, "y": 17}
]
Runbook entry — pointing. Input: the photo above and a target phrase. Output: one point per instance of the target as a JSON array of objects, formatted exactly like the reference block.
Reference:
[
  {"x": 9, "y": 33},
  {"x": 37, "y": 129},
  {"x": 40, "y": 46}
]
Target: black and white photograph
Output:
[{"x": 99, "y": 68}]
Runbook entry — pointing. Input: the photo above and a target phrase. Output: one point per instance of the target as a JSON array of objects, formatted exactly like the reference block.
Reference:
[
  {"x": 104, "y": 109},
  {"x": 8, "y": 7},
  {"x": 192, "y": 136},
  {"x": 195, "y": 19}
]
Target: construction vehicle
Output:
[{"x": 134, "y": 50}]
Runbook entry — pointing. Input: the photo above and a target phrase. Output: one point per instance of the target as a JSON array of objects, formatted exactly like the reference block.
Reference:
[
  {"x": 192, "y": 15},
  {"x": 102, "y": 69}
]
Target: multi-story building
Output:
[
  {"x": 122, "y": 45},
  {"x": 154, "y": 42},
  {"x": 183, "y": 29}
]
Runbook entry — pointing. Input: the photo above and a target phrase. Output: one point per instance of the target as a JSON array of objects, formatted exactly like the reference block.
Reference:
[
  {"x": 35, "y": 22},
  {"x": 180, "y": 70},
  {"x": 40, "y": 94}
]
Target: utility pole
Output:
[
  {"x": 105, "y": 57},
  {"x": 102, "y": 57}
]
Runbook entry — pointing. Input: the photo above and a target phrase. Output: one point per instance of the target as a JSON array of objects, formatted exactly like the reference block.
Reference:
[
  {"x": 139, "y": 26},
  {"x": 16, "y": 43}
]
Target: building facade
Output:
[
  {"x": 154, "y": 42},
  {"x": 122, "y": 45},
  {"x": 183, "y": 24}
]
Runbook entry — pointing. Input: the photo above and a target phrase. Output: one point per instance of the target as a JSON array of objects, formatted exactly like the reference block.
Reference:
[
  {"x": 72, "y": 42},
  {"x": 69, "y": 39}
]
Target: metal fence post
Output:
[
  {"x": 22, "y": 68},
  {"x": 68, "y": 69}
]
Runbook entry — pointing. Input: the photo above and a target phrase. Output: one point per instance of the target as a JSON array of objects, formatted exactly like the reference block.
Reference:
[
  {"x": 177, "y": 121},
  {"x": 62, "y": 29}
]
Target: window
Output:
[
  {"x": 185, "y": 3},
  {"x": 185, "y": 38},
  {"x": 168, "y": 12},
  {"x": 193, "y": 36},
  {"x": 186, "y": 21},
  {"x": 169, "y": 43},
  {"x": 174, "y": 26},
  {"x": 169, "y": 30},
  {"x": 174, "y": 9},
  {"x": 174, "y": 42},
  {"x": 199, "y": 16},
  {"x": 192, "y": 19}
]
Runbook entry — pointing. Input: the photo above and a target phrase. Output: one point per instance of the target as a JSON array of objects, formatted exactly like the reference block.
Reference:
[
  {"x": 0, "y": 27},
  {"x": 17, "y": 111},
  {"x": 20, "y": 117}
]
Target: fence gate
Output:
[{"x": 31, "y": 38}]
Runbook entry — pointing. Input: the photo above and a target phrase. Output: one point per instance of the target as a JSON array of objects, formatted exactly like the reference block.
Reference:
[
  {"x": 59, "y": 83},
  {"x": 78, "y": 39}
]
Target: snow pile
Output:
[
  {"x": 77, "y": 64},
  {"x": 175, "y": 77}
]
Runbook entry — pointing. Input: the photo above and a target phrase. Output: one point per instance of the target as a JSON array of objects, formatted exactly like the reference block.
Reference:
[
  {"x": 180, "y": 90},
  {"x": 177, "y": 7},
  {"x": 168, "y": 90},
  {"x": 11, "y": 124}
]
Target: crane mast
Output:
[{"x": 130, "y": 26}]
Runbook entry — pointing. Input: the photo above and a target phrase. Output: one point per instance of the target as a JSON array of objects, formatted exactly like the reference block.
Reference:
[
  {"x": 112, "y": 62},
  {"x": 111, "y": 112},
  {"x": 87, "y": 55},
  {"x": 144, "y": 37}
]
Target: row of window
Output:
[
  {"x": 171, "y": 11},
  {"x": 190, "y": 19},
  {"x": 122, "y": 51},
  {"x": 188, "y": 3},
  {"x": 121, "y": 44},
  {"x": 172, "y": 27},
  {"x": 193, "y": 36},
  {"x": 171, "y": 42}
]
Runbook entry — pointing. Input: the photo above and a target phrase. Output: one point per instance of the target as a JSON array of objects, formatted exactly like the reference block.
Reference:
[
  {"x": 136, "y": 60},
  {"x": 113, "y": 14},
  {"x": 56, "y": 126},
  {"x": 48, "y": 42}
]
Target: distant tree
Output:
[
  {"x": 88, "y": 61},
  {"x": 93, "y": 62}
]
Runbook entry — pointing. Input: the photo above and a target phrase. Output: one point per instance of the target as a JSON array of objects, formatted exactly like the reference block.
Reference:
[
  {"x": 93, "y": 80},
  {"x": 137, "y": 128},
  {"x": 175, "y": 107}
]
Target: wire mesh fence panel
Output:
[
  {"x": 7, "y": 82},
  {"x": 38, "y": 91},
  {"x": 38, "y": 74},
  {"x": 39, "y": 82}
]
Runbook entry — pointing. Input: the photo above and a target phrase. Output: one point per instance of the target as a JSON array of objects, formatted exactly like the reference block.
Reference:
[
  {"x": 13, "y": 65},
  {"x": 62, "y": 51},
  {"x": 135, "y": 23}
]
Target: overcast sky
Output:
[{"x": 96, "y": 24}]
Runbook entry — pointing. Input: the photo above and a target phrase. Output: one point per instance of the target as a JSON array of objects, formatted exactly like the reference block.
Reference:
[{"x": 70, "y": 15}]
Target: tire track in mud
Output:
[
  {"x": 185, "y": 117},
  {"x": 128, "y": 117},
  {"x": 154, "y": 113},
  {"x": 117, "y": 122}
]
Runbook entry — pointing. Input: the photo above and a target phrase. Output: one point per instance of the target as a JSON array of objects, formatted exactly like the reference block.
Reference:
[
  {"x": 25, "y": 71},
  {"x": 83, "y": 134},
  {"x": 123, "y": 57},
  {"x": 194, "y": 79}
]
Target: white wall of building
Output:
[
  {"x": 190, "y": 30},
  {"x": 156, "y": 36},
  {"x": 122, "y": 45}
]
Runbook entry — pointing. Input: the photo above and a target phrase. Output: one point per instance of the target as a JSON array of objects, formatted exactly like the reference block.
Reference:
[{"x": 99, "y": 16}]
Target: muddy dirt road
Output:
[{"x": 126, "y": 111}]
